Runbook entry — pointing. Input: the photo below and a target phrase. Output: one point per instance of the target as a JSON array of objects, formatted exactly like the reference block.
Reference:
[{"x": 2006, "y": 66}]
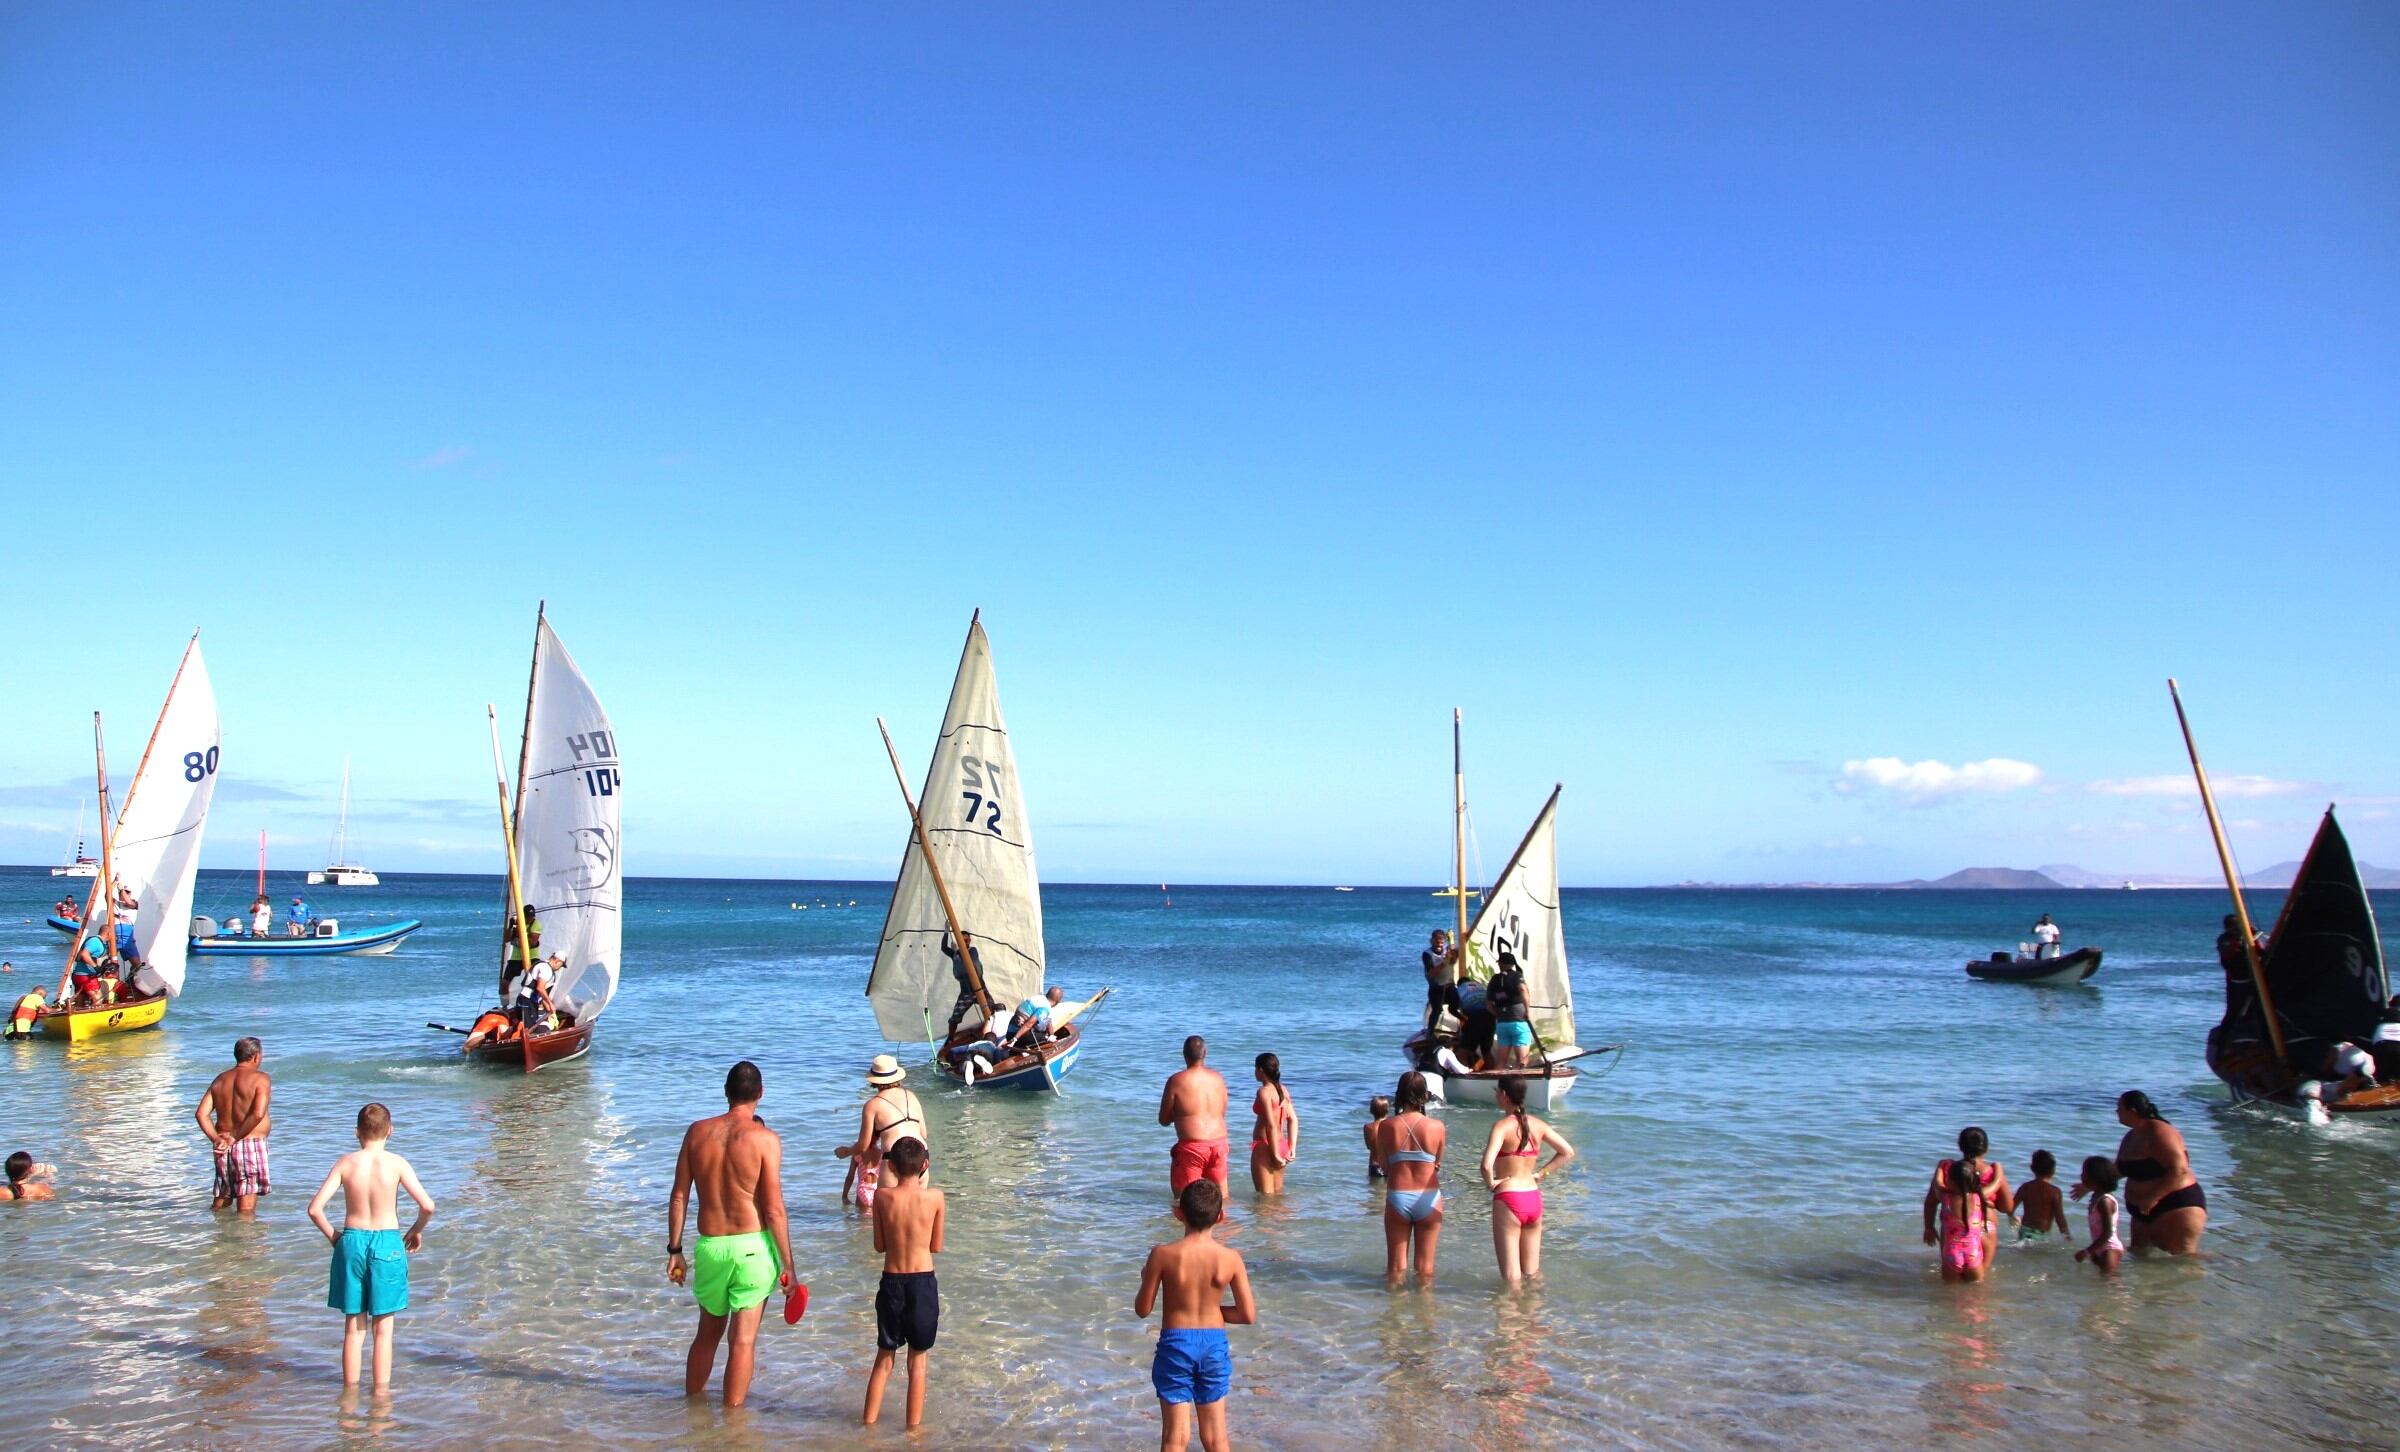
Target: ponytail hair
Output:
[
  {"x": 1973, "y": 1144},
  {"x": 1270, "y": 1069},
  {"x": 2139, "y": 1103},
  {"x": 1512, "y": 1092}
]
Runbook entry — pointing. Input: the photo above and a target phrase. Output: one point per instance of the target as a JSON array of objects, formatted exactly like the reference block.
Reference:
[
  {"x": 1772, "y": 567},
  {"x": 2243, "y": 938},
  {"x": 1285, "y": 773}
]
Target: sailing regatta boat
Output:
[
  {"x": 2319, "y": 981},
  {"x": 153, "y": 851},
  {"x": 80, "y": 864},
  {"x": 967, "y": 877},
  {"x": 1520, "y": 915},
  {"x": 562, "y": 841},
  {"x": 341, "y": 871}
]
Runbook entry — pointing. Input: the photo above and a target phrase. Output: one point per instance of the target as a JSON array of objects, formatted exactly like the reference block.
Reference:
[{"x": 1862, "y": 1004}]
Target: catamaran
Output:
[
  {"x": 2319, "y": 981},
  {"x": 153, "y": 851},
  {"x": 967, "y": 878},
  {"x": 341, "y": 871},
  {"x": 1520, "y": 915},
  {"x": 79, "y": 863},
  {"x": 562, "y": 842}
]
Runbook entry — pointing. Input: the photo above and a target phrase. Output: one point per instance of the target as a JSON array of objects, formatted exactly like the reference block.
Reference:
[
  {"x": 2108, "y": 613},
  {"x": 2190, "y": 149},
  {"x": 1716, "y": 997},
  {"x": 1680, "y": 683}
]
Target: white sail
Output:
[
  {"x": 155, "y": 850},
  {"x": 1521, "y": 914},
  {"x": 567, "y": 829},
  {"x": 974, "y": 813}
]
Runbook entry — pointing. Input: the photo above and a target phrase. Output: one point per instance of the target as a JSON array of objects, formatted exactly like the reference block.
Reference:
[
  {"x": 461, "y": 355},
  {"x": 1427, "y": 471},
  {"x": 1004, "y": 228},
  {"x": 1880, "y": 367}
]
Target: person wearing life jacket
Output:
[
  {"x": 28, "y": 1013},
  {"x": 1512, "y": 1018}
]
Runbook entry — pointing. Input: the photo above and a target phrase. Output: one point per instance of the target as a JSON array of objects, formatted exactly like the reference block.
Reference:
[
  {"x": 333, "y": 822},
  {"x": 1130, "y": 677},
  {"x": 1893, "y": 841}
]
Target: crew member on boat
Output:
[
  {"x": 28, "y": 1013},
  {"x": 1441, "y": 982},
  {"x": 1031, "y": 1027},
  {"x": 536, "y": 1012},
  {"x": 2241, "y": 991},
  {"x": 2348, "y": 1069},
  {"x": 92, "y": 969},
  {"x": 492, "y": 1026},
  {"x": 298, "y": 919},
  {"x": 126, "y": 909},
  {"x": 1512, "y": 1017},
  {"x": 965, "y": 977},
  {"x": 262, "y": 916},
  {"x": 2045, "y": 938}
]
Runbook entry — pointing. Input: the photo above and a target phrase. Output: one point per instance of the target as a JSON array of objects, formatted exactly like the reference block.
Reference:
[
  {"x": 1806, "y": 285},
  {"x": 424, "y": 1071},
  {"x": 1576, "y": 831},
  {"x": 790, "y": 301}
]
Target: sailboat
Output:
[
  {"x": 562, "y": 840},
  {"x": 153, "y": 850},
  {"x": 341, "y": 871},
  {"x": 80, "y": 864},
  {"x": 967, "y": 877},
  {"x": 2320, "y": 979},
  {"x": 1521, "y": 915}
]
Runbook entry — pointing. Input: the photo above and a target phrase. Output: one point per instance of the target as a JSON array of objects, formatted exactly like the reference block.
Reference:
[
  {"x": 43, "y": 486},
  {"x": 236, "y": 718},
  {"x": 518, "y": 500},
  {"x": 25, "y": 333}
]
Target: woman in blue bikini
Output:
[{"x": 1409, "y": 1147}]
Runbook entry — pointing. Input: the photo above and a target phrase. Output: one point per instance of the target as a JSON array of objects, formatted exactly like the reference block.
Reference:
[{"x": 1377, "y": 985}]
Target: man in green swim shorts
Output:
[{"x": 744, "y": 1251}]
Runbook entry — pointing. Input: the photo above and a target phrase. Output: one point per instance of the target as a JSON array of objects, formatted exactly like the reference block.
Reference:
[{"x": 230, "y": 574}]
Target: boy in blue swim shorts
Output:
[
  {"x": 1193, "y": 1369},
  {"x": 369, "y": 1282}
]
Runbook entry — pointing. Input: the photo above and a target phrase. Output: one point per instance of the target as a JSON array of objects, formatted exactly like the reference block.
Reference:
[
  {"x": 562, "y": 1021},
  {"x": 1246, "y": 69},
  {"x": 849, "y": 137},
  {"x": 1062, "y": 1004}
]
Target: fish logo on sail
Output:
[{"x": 596, "y": 858}]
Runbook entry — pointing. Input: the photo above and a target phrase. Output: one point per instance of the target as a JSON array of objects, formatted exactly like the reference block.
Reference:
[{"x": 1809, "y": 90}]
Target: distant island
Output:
[{"x": 2062, "y": 877}]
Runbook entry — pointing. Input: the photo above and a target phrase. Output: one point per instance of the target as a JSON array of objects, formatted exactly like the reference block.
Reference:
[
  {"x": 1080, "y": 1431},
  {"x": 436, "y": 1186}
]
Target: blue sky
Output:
[{"x": 1735, "y": 409}]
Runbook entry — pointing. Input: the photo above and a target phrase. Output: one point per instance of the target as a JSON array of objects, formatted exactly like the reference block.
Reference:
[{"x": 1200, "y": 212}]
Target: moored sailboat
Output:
[
  {"x": 1519, "y": 916},
  {"x": 2320, "y": 979},
  {"x": 79, "y": 863},
  {"x": 339, "y": 870},
  {"x": 562, "y": 839},
  {"x": 967, "y": 879},
  {"x": 153, "y": 851}
]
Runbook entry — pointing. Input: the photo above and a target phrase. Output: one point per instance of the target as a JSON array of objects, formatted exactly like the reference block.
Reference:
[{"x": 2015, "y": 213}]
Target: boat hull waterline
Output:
[
  {"x": 2063, "y": 971},
  {"x": 372, "y": 943},
  {"x": 78, "y": 1024}
]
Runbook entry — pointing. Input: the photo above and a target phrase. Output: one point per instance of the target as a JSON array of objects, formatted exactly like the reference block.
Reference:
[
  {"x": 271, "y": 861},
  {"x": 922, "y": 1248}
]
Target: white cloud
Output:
[
  {"x": 1925, "y": 781},
  {"x": 2180, "y": 785}
]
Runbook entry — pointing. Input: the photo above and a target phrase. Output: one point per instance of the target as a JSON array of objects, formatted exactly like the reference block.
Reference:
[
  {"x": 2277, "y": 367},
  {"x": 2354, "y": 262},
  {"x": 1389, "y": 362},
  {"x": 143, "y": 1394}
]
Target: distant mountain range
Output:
[{"x": 2065, "y": 877}]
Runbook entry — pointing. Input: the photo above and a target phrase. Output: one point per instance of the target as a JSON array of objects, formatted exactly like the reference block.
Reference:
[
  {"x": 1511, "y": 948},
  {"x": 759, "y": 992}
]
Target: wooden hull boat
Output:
[
  {"x": 535, "y": 1052},
  {"x": 372, "y": 943},
  {"x": 2379, "y": 1105},
  {"x": 1545, "y": 1088},
  {"x": 1042, "y": 1070},
  {"x": 2064, "y": 970},
  {"x": 77, "y": 1024}
]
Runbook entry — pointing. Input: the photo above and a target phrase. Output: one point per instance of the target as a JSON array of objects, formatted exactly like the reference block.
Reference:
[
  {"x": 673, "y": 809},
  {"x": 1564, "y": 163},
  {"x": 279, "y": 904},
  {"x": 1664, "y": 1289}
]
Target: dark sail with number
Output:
[{"x": 2324, "y": 961}]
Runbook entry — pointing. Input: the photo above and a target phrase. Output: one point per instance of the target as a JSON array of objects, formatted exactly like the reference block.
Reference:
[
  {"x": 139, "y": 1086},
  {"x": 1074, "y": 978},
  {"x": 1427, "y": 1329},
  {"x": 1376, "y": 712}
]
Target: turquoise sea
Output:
[{"x": 1734, "y": 1262}]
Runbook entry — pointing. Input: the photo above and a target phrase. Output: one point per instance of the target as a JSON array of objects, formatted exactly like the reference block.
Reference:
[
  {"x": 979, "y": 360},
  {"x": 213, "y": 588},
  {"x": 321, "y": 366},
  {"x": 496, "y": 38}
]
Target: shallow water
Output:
[{"x": 1734, "y": 1262}]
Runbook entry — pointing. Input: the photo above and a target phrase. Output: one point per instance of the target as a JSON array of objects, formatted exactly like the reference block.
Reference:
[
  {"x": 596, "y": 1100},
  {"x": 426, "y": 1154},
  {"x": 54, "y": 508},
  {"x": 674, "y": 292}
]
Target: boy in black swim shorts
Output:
[{"x": 908, "y": 1310}]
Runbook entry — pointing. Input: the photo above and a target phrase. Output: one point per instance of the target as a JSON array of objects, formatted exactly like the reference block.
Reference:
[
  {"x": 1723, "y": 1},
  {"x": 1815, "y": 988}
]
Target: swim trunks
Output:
[
  {"x": 734, "y": 1272},
  {"x": 908, "y": 1311},
  {"x": 1513, "y": 1034},
  {"x": 370, "y": 1273},
  {"x": 241, "y": 1170},
  {"x": 1194, "y": 1365},
  {"x": 1197, "y": 1159}
]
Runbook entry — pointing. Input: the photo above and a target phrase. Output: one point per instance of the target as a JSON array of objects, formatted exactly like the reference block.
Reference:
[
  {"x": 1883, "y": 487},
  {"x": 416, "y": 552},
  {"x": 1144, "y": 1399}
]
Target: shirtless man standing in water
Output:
[
  {"x": 744, "y": 1251},
  {"x": 233, "y": 1114},
  {"x": 1195, "y": 1104}
]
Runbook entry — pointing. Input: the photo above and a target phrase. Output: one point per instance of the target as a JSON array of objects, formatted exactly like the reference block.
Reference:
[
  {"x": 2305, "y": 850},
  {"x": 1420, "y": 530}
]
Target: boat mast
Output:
[
  {"x": 958, "y": 935},
  {"x": 262, "y": 862},
  {"x": 508, "y": 840},
  {"x": 1458, "y": 884},
  {"x": 2233, "y": 880},
  {"x": 341, "y": 823}
]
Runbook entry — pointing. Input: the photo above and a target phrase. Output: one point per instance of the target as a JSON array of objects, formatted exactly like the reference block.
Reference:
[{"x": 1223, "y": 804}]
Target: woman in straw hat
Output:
[{"x": 891, "y": 1114}]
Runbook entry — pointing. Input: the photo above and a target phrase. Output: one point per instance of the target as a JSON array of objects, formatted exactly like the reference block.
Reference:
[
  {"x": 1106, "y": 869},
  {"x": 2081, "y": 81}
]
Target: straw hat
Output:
[{"x": 885, "y": 1070}]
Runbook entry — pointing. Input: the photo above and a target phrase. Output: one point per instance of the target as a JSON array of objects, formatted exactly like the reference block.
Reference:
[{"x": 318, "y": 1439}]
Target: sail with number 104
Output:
[
  {"x": 569, "y": 791},
  {"x": 973, "y": 810},
  {"x": 1521, "y": 914}
]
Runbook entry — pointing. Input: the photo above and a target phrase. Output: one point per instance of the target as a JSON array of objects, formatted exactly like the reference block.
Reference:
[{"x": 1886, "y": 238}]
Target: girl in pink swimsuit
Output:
[
  {"x": 1276, "y": 1139},
  {"x": 1509, "y": 1169},
  {"x": 1968, "y": 1195},
  {"x": 2104, "y": 1217}
]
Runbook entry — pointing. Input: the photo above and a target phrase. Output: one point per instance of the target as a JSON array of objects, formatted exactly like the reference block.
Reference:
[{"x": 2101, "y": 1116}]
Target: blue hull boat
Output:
[{"x": 370, "y": 942}]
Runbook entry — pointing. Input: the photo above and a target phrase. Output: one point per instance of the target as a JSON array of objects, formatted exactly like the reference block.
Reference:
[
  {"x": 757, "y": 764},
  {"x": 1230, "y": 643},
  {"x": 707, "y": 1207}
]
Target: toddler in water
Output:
[
  {"x": 1378, "y": 1108},
  {"x": 2100, "y": 1182},
  {"x": 2040, "y": 1207}
]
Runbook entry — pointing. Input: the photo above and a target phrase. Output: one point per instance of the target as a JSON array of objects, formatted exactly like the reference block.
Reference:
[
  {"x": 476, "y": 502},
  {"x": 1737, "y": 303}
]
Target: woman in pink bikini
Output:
[
  {"x": 1969, "y": 1197},
  {"x": 1509, "y": 1169},
  {"x": 1276, "y": 1137}
]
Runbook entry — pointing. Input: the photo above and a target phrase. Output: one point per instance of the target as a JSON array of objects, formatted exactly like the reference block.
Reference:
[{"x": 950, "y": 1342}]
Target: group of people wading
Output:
[{"x": 2162, "y": 1208}]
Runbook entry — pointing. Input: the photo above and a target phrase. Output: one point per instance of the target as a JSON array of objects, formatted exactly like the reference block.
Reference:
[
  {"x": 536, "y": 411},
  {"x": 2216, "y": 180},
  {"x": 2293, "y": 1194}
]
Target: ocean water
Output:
[{"x": 1733, "y": 1262}]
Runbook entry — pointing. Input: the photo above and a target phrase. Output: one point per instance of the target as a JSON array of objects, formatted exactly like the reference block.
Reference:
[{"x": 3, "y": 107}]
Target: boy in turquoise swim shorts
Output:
[
  {"x": 369, "y": 1283},
  {"x": 1193, "y": 1369}
]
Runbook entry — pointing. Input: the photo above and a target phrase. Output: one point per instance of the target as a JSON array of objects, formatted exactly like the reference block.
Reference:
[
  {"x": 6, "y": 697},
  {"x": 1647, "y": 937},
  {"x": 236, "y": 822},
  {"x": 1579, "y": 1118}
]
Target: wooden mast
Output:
[
  {"x": 2233, "y": 880},
  {"x": 1458, "y": 883},
  {"x": 508, "y": 839},
  {"x": 958, "y": 935}
]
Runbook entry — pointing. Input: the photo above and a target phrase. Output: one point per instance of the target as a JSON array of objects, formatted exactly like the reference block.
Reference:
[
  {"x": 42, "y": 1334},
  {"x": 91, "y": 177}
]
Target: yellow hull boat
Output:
[{"x": 76, "y": 1025}]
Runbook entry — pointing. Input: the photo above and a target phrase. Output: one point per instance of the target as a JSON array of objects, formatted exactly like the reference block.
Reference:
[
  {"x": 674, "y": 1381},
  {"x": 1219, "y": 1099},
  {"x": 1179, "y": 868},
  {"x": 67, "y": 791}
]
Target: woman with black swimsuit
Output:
[{"x": 2169, "y": 1209}]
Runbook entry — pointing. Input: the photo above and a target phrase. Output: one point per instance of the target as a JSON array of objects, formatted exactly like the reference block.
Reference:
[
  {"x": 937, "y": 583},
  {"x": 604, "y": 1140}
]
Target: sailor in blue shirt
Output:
[{"x": 299, "y": 917}]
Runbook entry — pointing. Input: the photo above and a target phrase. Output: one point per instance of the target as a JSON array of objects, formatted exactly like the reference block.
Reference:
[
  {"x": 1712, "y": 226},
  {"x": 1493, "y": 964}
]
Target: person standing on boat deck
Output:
[
  {"x": 127, "y": 909},
  {"x": 2241, "y": 990},
  {"x": 891, "y": 1114},
  {"x": 512, "y": 951},
  {"x": 735, "y": 1163},
  {"x": 262, "y": 916},
  {"x": 90, "y": 967},
  {"x": 1194, "y": 1102},
  {"x": 1441, "y": 982},
  {"x": 234, "y": 1114},
  {"x": 2045, "y": 938},
  {"x": 965, "y": 977},
  {"x": 296, "y": 921},
  {"x": 536, "y": 1011},
  {"x": 2170, "y": 1210}
]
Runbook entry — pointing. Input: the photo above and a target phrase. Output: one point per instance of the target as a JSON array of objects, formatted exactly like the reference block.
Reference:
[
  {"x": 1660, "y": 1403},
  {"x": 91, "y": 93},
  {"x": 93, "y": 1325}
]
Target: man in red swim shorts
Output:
[{"x": 1195, "y": 1104}]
